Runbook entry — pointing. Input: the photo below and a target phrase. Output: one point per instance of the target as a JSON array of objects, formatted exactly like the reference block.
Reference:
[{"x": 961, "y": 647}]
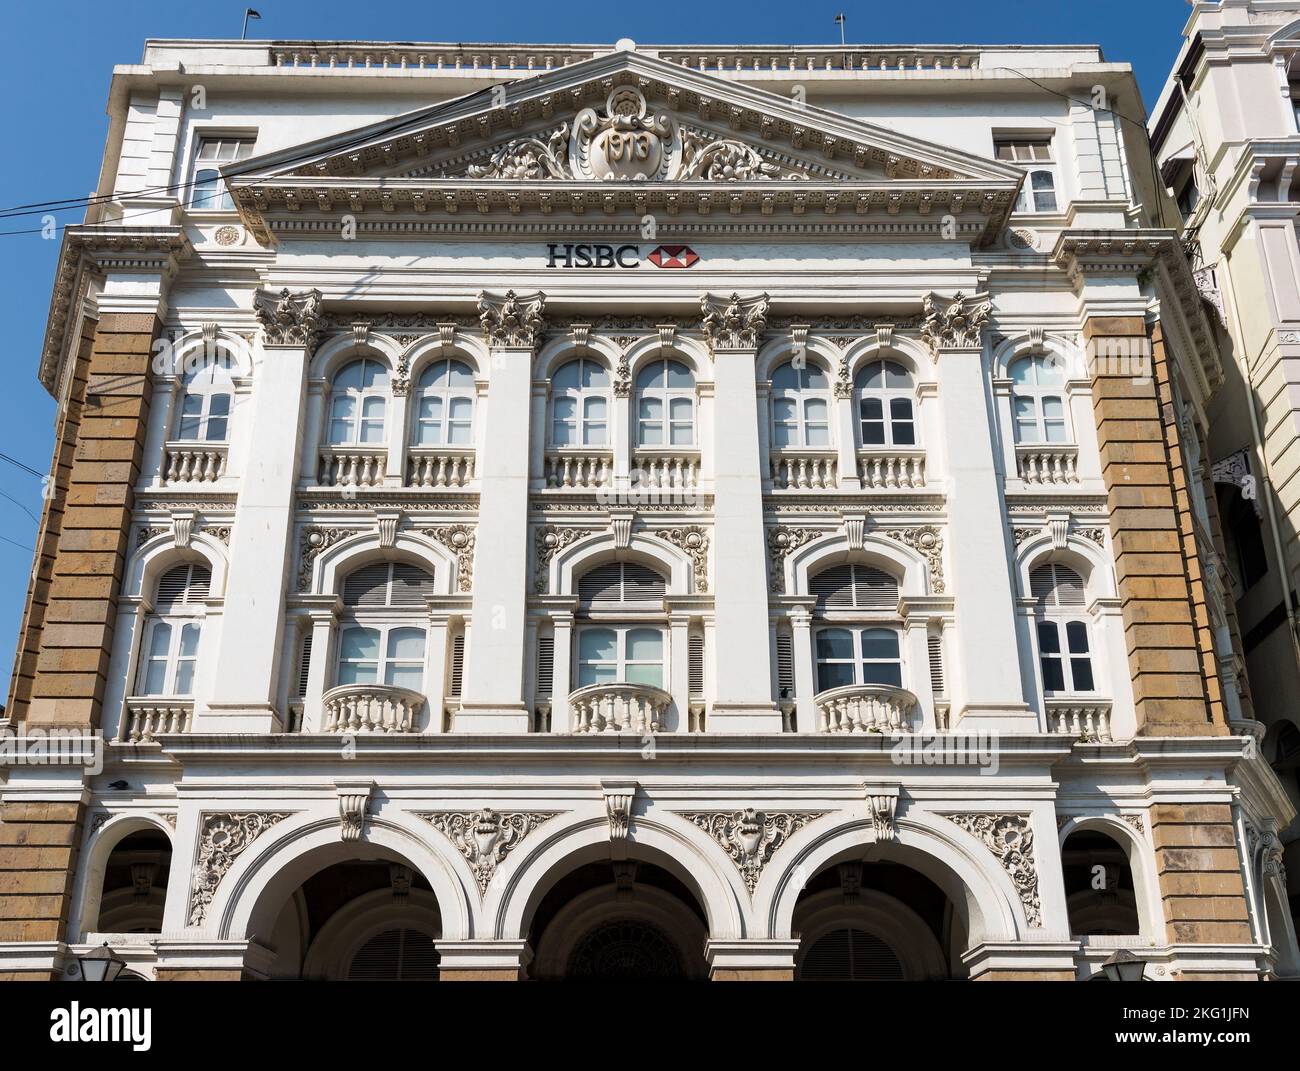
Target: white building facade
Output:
[{"x": 607, "y": 511}]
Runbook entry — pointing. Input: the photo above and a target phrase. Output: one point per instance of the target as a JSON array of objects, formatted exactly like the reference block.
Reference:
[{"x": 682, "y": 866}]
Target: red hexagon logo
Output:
[{"x": 674, "y": 256}]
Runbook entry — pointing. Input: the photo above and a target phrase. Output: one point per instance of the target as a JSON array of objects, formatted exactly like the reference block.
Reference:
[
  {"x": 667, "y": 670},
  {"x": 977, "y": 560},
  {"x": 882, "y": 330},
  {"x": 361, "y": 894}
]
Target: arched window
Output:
[
  {"x": 580, "y": 404},
  {"x": 1099, "y": 895},
  {"x": 1038, "y": 395},
  {"x": 847, "y": 651},
  {"x": 383, "y": 629},
  {"x": 621, "y": 651},
  {"x": 203, "y": 409},
  {"x": 801, "y": 406},
  {"x": 884, "y": 390},
  {"x": 170, "y": 646},
  {"x": 444, "y": 413},
  {"x": 359, "y": 404},
  {"x": 665, "y": 391},
  {"x": 1064, "y": 652}
]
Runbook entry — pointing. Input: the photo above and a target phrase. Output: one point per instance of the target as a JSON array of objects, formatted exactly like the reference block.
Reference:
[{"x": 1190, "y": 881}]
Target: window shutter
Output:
[
  {"x": 833, "y": 587},
  {"x": 545, "y": 666},
  {"x": 1056, "y": 585},
  {"x": 620, "y": 582},
  {"x": 183, "y": 585},
  {"x": 457, "y": 665},
  {"x": 411, "y": 585},
  {"x": 935, "y": 644},
  {"x": 695, "y": 663},
  {"x": 785, "y": 665},
  {"x": 368, "y": 586},
  {"x": 304, "y": 664},
  {"x": 854, "y": 587}
]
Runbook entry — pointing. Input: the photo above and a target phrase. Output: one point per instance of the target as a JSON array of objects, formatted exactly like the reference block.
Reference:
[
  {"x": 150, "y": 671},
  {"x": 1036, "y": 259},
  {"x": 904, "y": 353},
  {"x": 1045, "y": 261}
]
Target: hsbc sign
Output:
[{"x": 595, "y": 255}]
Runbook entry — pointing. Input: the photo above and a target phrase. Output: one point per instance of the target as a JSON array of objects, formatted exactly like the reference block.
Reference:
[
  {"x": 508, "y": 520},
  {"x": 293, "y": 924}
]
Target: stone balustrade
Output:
[
  {"x": 371, "y": 708},
  {"x": 618, "y": 708},
  {"x": 439, "y": 466},
  {"x": 664, "y": 468},
  {"x": 580, "y": 467},
  {"x": 1084, "y": 719},
  {"x": 193, "y": 462},
  {"x": 891, "y": 467},
  {"x": 1044, "y": 464},
  {"x": 866, "y": 708},
  {"x": 352, "y": 466},
  {"x": 799, "y": 470},
  {"x": 150, "y": 716}
]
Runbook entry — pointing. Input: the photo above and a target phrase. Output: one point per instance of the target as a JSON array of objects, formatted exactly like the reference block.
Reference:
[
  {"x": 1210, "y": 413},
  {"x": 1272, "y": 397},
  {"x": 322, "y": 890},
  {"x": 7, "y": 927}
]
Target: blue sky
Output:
[{"x": 54, "y": 86}]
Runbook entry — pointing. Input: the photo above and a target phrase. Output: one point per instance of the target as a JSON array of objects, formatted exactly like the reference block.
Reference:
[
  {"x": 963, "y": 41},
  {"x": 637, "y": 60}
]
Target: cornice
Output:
[{"x": 100, "y": 249}]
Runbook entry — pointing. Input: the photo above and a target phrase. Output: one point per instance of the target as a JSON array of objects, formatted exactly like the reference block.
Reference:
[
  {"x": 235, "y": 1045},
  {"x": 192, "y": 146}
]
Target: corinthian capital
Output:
[
  {"x": 734, "y": 323},
  {"x": 512, "y": 320},
  {"x": 288, "y": 318},
  {"x": 954, "y": 323}
]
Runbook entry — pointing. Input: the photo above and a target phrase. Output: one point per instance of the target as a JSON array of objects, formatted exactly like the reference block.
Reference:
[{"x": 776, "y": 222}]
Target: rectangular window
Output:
[
  {"x": 1034, "y": 154},
  {"x": 209, "y": 193}
]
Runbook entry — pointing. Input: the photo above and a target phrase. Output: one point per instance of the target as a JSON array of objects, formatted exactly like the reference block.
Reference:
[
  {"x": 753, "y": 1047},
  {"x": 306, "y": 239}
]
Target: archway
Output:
[
  {"x": 1099, "y": 893},
  {"x": 625, "y": 920},
  {"x": 358, "y": 920},
  {"x": 134, "y": 890},
  {"x": 876, "y": 920}
]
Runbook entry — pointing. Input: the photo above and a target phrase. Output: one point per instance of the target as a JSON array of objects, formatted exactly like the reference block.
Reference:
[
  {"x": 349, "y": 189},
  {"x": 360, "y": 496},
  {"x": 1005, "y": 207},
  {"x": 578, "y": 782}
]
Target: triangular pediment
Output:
[{"x": 615, "y": 132}]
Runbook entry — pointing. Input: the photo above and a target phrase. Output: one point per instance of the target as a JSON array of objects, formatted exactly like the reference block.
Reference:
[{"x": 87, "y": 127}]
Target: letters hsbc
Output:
[{"x": 569, "y": 255}]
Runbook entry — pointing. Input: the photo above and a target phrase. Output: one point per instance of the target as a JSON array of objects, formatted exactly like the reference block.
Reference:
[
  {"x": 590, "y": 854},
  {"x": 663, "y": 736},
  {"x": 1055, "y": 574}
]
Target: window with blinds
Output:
[
  {"x": 695, "y": 664},
  {"x": 854, "y": 587},
  {"x": 620, "y": 583},
  {"x": 784, "y": 665},
  {"x": 388, "y": 584},
  {"x": 851, "y": 955},
  {"x": 304, "y": 665},
  {"x": 934, "y": 642},
  {"x": 545, "y": 666},
  {"x": 457, "y": 666},
  {"x": 1055, "y": 585},
  {"x": 402, "y": 955},
  {"x": 183, "y": 585}
]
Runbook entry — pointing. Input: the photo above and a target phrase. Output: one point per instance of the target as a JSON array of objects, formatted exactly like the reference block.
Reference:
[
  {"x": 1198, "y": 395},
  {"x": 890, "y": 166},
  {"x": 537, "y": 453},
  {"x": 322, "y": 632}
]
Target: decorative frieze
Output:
[
  {"x": 926, "y": 540},
  {"x": 514, "y": 320},
  {"x": 734, "y": 323},
  {"x": 1010, "y": 837},
  {"x": 957, "y": 323},
  {"x": 459, "y": 539},
  {"x": 485, "y": 837},
  {"x": 288, "y": 318},
  {"x": 694, "y": 540},
  {"x": 223, "y": 838},
  {"x": 751, "y": 837},
  {"x": 549, "y": 541},
  {"x": 781, "y": 542}
]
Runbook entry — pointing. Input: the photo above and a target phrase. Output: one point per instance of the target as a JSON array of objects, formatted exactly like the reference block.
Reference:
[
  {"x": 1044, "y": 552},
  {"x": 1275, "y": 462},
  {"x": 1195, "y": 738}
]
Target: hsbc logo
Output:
[{"x": 569, "y": 255}]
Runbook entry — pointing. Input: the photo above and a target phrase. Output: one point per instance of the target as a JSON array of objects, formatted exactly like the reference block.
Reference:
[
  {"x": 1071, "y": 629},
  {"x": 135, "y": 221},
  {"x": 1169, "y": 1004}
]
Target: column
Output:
[
  {"x": 743, "y": 701},
  {"x": 493, "y": 699},
  {"x": 435, "y": 674},
  {"x": 846, "y": 440},
  {"x": 323, "y": 621},
  {"x": 987, "y": 690},
  {"x": 805, "y": 685},
  {"x": 679, "y": 679},
  {"x": 560, "y": 679},
  {"x": 248, "y": 663},
  {"x": 395, "y": 468}
]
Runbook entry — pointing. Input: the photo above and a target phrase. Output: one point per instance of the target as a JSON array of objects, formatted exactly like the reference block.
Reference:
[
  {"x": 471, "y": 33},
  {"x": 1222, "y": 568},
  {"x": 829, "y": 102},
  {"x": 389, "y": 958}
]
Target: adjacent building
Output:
[{"x": 603, "y": 511}]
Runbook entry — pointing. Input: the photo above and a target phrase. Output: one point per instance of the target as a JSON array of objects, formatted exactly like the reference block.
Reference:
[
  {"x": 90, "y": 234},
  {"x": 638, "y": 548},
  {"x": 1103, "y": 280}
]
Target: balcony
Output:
[
  {"x": 804, "y": 469},
  {"x": 1083, "y": 719},
  {"x": 618, "y": 708},
  {"x": 866, "y": 708},
  {"x": 352, "y": 466},
  {"x": 891, "y": 467},
  {"x": 149, "y": 716},
  {"x": 581, "y": 467},
  {"x": 1044, "y": 465},
  {"x": 663, "y": 468},
  {"x": 371, "y": 708},
  {"x": 193, "y": 462},
  {"x": 440, "y": 466}
]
